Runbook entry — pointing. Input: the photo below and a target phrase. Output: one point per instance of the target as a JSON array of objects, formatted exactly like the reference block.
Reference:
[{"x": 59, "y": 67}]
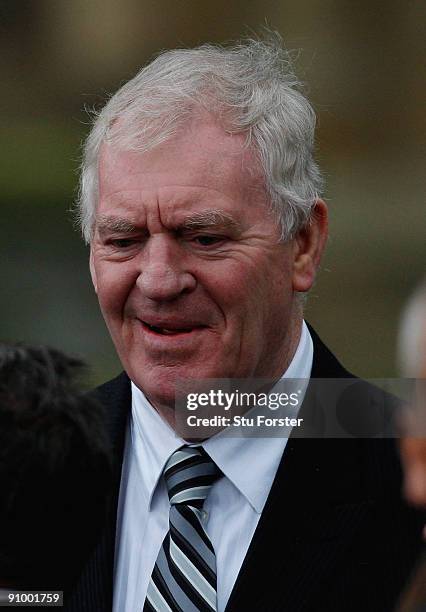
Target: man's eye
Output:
[
  {"x": 122, "y": 243},
  {"x": 208, "y": 240}
]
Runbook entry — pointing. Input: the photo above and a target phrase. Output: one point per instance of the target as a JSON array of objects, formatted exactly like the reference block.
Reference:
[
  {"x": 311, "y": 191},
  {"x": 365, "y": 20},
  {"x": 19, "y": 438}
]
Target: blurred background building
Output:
[{"x": 365, "y": 65}]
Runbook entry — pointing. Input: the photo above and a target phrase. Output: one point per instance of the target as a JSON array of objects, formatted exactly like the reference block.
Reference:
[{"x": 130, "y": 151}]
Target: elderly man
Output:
[{"x": 200, "y": 199}]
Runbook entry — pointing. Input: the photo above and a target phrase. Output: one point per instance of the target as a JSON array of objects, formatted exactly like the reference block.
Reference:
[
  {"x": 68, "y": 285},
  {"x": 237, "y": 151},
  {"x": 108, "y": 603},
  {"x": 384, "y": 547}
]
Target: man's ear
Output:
[
  {"x": 93, "y": 271},
  {"x": 309, "y": 245}
]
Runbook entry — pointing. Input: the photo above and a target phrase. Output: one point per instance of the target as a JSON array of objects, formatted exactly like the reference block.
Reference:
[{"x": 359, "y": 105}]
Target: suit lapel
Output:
[
  {"x": 94, "y": 589},
  {"x": 312, "y": 514},
  {"x": 306, "y": 525}
]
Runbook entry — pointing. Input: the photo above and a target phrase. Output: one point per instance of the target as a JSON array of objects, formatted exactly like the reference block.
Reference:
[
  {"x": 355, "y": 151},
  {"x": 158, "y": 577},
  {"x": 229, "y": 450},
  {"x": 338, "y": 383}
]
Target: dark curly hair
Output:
[{"x": 55, "y": 468}]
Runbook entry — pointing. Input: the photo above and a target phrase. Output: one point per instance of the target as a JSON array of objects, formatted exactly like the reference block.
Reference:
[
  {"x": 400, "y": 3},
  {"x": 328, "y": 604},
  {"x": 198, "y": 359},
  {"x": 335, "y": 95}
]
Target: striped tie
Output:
[{"x": 184, "y": 575}]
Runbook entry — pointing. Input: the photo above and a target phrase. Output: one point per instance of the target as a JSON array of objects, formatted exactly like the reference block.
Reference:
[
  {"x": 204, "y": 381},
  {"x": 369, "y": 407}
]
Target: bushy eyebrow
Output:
[
  {"x": 107, "y": 223},
  {"x": 198, "y": 221},
  {"x": 210, "y": 219}
]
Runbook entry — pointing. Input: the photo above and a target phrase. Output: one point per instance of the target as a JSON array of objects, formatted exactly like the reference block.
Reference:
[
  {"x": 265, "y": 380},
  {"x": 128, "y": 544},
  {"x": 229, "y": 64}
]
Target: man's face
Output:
[{"x": 186, "y": 261}]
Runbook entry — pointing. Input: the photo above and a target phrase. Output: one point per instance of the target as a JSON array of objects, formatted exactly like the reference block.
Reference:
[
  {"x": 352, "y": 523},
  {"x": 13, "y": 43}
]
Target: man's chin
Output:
[
  {"x": 160, "y": 387},
  {"x": 164, "y": 385}
]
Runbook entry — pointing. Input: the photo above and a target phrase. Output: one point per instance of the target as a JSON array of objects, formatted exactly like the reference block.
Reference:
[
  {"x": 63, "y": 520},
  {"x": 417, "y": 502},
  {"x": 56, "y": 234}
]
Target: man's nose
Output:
[{"x": 163, "y": 276}]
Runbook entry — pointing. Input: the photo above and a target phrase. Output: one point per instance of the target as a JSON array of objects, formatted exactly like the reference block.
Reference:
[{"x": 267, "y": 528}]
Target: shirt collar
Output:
[
  {"x": 153, "y": 441},
  {"x": 249, "y": 463}
]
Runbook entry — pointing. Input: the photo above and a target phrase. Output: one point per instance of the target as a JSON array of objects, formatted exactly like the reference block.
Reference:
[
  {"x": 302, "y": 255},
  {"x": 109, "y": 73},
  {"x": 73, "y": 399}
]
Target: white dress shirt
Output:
[{"x": 232, "y": 509}]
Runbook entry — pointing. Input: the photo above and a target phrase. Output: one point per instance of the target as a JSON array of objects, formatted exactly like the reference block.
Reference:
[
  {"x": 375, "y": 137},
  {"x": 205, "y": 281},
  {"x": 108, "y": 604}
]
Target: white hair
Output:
[
  {"x": 250, "y": 87},
  {"x": 412, "y": 334}
]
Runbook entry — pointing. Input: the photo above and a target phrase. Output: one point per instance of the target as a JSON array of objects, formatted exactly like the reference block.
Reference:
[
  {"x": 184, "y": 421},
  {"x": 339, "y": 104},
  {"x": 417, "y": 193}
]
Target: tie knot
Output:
[{"x": 190, "y": 473}]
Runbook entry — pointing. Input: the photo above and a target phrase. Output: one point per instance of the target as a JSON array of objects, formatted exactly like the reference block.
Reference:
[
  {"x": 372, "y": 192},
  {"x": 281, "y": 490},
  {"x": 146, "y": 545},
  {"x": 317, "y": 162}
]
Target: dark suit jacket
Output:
[
  {"x": 413, "y": 598},
  {"x": 334, "y": 535}
]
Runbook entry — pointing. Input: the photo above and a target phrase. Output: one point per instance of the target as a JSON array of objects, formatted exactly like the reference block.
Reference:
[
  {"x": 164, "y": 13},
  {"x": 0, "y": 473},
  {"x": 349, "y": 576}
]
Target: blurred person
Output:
[
  {"x": 55, "y": 469},
  {"x": 412, "y": 357},
  {"x": 412, "y": 350},
  {"x": 201, "y": 201}
]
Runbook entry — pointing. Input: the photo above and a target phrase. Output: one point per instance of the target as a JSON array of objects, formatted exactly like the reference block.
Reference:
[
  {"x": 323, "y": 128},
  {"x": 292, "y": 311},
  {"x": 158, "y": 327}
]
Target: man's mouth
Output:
[{"x": 167, "y": 331}]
